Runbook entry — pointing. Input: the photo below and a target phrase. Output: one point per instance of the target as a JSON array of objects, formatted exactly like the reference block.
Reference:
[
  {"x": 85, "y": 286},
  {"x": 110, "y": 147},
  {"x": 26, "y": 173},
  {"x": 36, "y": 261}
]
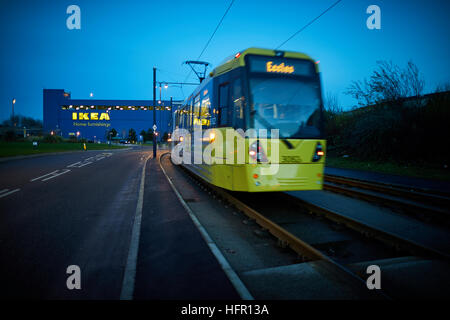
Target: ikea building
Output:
[{"x": 93, "y": 119}]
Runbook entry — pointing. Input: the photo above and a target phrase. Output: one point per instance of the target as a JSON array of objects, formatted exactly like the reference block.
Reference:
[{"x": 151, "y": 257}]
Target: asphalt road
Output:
[
  {"x": 102, "y": 212},
  {"x": 68, "y": 209}
]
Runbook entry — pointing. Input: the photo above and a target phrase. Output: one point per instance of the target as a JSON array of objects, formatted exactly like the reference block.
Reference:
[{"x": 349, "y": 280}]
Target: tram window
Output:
[
  {"x": 189, "y": 115},
  {"x": 183, "y": 117},
  {"x": 186, "y": 117},
  {"x": 177, "y": 119},
  {"x": 205, "y": 113},
  {"x": 238, "y": 105},
  {"x": 196, "y": 114},
  {"x": 224, "y": 92}
]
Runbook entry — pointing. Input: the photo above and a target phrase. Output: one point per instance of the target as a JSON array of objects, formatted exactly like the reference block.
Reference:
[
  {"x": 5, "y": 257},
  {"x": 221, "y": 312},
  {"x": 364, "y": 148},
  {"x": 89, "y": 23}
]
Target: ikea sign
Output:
[{"x": 90, "y": 116}]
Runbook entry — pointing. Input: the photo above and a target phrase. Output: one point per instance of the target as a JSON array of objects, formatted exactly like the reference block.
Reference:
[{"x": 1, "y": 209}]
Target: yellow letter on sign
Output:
[{"x": 104, "y": 116}]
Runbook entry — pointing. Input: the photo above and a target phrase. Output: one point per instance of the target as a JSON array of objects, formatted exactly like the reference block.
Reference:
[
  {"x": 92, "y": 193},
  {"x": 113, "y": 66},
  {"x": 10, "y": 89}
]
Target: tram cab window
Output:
[
  {"x": 224, "y": 94},
  {"x": 238, "y": 105}
]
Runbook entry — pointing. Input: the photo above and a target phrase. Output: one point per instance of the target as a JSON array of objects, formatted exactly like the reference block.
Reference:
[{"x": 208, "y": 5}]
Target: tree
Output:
[
  {"x": 149, "y": 135},
  {"x": 112, "y": 133},
  {"x": 132, "y": 135},
  {"x": 144, "y": 135},
  {"x": 331, "y": 104},
  {"x": 388, "y": 83},
  {"x": 30, "y": 122}
]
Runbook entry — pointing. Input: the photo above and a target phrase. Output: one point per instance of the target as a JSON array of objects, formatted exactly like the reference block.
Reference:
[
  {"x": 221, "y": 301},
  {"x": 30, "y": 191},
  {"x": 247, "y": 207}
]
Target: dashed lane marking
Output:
[
  {"x": 51, "y": 175},
  {"x": 5, "y": 192}
]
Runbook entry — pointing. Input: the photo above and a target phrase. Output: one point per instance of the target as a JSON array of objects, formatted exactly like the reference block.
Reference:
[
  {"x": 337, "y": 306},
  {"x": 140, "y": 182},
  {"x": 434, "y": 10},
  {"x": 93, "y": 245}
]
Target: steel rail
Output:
[
  {"x": 412, "y": 193},
  {"x": 386, "y": 237},
  {"x": 421, "y": 209}
]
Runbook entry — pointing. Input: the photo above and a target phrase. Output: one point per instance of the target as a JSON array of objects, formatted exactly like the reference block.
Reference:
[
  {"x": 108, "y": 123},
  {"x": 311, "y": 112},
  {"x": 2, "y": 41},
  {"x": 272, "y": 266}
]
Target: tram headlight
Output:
[
  {"x": 256, "y": 152},
  {"x": 318, "y": 153}
]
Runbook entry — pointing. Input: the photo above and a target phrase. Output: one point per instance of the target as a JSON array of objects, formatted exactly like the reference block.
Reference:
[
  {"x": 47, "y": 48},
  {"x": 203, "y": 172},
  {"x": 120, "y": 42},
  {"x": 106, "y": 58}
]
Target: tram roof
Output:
[{"x": 238, "y": 60}]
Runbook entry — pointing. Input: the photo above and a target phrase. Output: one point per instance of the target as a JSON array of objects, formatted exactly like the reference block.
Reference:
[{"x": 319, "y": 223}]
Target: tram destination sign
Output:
[{"x": 279, "y": 65}]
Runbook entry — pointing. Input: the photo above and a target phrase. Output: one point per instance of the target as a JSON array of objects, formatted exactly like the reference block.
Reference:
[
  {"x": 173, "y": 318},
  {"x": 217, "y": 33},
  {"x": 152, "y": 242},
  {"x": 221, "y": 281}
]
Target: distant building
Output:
[{"x": 93, "y": 119}]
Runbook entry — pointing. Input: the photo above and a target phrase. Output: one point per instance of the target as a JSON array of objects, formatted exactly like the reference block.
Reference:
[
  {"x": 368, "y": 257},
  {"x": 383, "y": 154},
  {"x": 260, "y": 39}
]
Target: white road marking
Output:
[
  {"x": 4, "y": 190},
  {"x": 78, "y": 164},
  {"x": 43, "y": 176},
  {"x": 231, "y": 274},
  {"x": 89, "y": 160},
  {"x": 8, "y": 193},
  {"x": 51, "y": 175},
  {"x": 56, "y": 175},
  {"x": 129, "y": 276},
  {"x": 73, "y": 164}
]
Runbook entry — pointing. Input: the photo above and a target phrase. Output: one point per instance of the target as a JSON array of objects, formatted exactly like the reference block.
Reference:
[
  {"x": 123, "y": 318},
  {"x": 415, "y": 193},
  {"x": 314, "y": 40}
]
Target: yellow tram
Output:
[{"x": 255, "y": 124}]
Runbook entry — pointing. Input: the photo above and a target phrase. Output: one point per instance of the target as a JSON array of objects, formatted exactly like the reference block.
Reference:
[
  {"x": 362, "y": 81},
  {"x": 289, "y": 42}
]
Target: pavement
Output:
[{"x": 79, "y": 209}]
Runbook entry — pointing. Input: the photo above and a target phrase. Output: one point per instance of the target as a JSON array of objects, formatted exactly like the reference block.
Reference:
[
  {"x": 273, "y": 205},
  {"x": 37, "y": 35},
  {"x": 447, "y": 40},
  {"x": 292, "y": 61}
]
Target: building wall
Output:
[{"x": 93, "y": 119}]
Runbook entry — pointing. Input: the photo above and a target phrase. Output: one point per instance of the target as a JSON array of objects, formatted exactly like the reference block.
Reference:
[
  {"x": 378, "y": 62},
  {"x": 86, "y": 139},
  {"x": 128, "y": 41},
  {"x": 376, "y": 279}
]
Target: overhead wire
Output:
[
  {"x": 308, "y": 24},
  {"x": 212, "y": 36}
]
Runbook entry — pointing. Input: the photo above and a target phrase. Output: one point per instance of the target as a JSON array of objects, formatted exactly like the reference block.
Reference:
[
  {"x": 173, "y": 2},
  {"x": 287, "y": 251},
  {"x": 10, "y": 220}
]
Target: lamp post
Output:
[
  {"x": 154, "y": 112},
  {"x": 169, "y": 127},
  {"x": 12, "y": 119}
]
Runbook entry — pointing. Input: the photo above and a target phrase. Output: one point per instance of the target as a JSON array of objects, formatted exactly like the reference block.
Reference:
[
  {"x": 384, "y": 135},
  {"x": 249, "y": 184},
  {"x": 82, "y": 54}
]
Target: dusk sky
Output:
[{"x": 121, "y": 41}]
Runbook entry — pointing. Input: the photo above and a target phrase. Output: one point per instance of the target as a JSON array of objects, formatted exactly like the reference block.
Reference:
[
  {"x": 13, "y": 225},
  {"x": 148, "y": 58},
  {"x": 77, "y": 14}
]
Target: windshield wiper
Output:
[{"x": 269, "y": 126}]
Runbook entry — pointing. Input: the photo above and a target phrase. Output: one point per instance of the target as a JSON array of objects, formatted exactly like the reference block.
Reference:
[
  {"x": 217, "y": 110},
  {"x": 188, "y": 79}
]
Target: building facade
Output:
[{"x": 93, "y": 119}]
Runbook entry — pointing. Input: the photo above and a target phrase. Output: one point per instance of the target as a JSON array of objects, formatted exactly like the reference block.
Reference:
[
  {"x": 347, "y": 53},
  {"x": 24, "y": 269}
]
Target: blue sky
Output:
[{"x": 120, "y": 41}]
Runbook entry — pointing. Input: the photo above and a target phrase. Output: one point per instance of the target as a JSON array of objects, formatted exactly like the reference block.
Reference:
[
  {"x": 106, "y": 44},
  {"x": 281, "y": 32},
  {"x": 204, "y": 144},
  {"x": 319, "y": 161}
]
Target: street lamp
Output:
[
  {"x": 91, "y": 95},
  {"x": 13, "y": 103}
]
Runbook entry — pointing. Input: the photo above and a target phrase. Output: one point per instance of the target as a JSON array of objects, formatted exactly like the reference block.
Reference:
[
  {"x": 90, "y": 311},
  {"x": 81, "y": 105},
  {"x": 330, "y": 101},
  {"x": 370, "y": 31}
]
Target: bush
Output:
[
  {"x": 72, "y": 139},
  {"x": 9, "y": 136},
  {"x": 52, "y": 139},
  {"x": 393, "y": 132}
]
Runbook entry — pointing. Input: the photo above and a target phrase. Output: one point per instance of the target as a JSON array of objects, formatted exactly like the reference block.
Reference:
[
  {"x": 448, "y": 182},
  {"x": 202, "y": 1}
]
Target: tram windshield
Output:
[{"x": 288, "y": 104}]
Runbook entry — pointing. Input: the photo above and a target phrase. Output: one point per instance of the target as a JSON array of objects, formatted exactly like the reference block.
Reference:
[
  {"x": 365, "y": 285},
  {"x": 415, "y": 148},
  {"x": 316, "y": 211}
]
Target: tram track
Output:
[
  {"x": 420, "y": 203},
  {"x": 305, "y": 250},
  {"x": 340, "y": 256}
]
